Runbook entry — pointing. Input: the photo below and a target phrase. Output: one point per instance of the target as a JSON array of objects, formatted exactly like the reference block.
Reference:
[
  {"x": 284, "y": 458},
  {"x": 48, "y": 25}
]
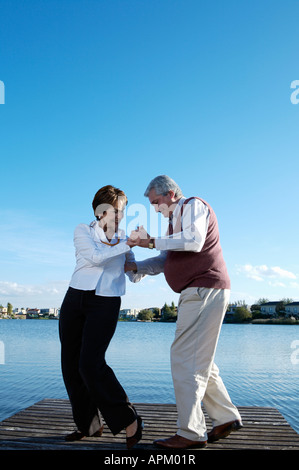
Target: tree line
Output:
[
  {"x": 254, "y": 314},
  {"x": 242, "y": 314},
  {"x": 168, "y": 313}
]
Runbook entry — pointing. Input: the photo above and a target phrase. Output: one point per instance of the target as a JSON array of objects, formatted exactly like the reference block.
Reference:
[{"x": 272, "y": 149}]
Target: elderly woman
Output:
[{"x": 88, "y": 320}]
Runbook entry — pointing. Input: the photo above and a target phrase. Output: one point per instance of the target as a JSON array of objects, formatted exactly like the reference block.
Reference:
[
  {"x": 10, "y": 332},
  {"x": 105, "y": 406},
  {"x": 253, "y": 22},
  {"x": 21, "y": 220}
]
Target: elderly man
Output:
[{"x": 192, "y": 261}]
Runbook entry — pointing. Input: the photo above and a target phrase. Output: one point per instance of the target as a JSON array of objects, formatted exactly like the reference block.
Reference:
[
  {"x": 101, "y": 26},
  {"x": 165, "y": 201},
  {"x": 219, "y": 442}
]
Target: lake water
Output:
[{"x": 258, "y": 363}]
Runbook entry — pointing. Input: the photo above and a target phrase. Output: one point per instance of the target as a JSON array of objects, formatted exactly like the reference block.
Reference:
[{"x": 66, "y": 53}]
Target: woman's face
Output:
[{"x": 113, "y": 215}]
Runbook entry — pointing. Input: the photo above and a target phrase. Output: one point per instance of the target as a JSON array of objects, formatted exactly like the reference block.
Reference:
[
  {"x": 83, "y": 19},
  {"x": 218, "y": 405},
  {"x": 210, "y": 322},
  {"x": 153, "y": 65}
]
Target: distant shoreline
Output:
[
  {"x": 265, "y": 321},
  {"x": 258, "y": 321}
]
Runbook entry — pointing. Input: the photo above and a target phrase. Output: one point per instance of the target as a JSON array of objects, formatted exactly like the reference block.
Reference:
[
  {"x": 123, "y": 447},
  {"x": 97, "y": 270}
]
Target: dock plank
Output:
[{"x": 44, "y": 425}]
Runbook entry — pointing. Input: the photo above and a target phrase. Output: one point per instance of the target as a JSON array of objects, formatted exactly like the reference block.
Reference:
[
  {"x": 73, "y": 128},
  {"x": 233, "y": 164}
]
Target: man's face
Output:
[{"x": 161, "y": 203}]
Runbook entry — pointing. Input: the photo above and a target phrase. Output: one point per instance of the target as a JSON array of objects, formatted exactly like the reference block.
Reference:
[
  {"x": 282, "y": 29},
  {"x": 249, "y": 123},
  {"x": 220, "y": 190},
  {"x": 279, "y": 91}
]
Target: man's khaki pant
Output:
[{"x": 195, "y": 375}]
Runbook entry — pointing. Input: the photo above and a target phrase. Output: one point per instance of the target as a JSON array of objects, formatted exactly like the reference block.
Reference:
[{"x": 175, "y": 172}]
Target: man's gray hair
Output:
[{"x": 162, "y": 185}]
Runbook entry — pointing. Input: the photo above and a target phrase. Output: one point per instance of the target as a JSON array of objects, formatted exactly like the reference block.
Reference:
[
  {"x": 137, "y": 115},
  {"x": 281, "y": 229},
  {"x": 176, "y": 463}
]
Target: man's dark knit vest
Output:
[{"x": 205, "y": 268}]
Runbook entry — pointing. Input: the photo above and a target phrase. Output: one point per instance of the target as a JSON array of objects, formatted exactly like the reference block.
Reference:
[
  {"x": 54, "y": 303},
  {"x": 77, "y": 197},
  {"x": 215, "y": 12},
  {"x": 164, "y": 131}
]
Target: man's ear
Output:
[{"x": 172, "y": 195}]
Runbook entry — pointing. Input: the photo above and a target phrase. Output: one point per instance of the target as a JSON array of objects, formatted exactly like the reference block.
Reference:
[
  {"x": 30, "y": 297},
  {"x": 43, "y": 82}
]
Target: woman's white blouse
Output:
[{"x": 100, "y": 267}]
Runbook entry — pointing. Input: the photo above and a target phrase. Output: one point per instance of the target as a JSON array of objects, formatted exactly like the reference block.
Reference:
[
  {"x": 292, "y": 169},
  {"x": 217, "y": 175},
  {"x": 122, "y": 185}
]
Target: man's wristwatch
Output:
[{"x": 151, "y": 244}]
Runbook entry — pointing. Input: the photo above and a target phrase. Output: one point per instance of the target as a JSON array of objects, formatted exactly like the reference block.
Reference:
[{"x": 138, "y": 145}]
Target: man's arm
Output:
[
  {"x": 189, "y": 231},
  {"x": 151, "y": 266}
]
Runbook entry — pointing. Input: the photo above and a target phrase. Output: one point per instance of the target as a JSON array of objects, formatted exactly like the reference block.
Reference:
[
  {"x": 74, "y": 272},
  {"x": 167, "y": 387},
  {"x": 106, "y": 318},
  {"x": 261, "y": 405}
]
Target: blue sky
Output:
[{"x": 117, "y": 92}]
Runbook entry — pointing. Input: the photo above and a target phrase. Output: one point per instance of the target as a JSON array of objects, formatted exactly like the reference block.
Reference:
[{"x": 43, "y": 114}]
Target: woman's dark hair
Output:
[{"x": 107, "y": 196}]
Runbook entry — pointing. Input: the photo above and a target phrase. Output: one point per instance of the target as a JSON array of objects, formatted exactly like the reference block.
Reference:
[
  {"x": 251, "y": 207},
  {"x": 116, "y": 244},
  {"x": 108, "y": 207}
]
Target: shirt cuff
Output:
[{"x": 161, "y": 244}]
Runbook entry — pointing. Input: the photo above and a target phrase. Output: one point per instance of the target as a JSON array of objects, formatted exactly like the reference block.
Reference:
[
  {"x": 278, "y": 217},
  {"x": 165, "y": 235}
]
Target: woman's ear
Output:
[
  {"x": 101, "y": 216},
  {"x": 101, "y": 210}
]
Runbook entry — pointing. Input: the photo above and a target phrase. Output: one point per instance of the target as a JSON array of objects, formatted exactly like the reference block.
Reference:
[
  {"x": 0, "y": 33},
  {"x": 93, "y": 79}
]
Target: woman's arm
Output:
[
  {"x": 94, "y": 251},
  {"x": 131, "y": 268}
]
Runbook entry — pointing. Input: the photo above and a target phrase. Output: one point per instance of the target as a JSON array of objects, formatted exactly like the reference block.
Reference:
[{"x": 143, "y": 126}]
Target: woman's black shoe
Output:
[
  {"x": 132, "y": 440},
  {"x": 77, "y": 435}
]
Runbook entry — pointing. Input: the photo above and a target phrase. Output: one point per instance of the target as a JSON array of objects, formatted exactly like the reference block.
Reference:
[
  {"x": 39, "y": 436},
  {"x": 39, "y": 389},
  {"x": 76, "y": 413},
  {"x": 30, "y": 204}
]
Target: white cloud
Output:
[
  {"x": 263, "y": 272},
  {"x": 27, "y": 295},
  {"x": 15, "y": 289},
  {"x": 277, "y": 284}
]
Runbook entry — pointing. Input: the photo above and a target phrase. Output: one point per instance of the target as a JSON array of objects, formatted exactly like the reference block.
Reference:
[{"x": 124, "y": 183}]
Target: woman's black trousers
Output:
[{"x": 86, "y": 326}]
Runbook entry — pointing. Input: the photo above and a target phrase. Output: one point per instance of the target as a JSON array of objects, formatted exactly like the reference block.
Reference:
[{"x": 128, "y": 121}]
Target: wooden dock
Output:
[{"x": 43, "y": 426}]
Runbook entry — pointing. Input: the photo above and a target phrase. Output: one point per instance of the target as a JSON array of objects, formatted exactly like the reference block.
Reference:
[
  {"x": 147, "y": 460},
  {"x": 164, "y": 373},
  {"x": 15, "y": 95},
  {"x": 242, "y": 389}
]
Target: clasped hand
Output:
[{"x": 139, "y": 237}]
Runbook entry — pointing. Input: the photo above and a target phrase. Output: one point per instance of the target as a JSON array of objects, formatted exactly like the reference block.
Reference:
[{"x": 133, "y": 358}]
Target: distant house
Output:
[
  {"x": 19, "y": 311},
  {"x": 129, "y": 313},
  {"x": 47, "y": 312},
  {"x": 32, "y": 312},
  {"x": 269, "y": 308},
  {"x": 3, "y": 311},
  {"x": 232, "y": 309},
  {"x": 292, "y": 308}
]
